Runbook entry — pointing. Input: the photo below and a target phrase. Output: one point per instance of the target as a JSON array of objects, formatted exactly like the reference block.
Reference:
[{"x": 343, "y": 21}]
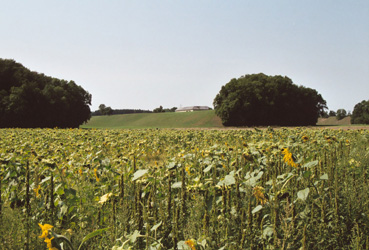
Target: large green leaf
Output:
[{"x": 91, "y": 235}]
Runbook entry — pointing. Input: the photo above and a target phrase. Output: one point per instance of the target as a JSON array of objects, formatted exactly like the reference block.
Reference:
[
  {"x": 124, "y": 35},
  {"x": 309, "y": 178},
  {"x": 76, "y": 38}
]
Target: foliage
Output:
[
  {"x": 173, "y": 109},
  {"x": 122, "y": 111},
  {"x": 340, "y": 114},
  {"x": 159, "y": 109},
  {"x": 360, "y": 115},
  {"x": 30, "y": 99},
  {"x": 104, "y": 110},
  {"x": 332, "y": 113},
  {"x": 324, "y": 114},
  {"x": 259, "y": 100},
  {"x": 185, "y": 189}
]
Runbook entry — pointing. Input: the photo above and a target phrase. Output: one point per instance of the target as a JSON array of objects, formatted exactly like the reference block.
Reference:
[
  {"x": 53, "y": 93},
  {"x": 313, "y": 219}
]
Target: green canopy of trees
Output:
[
  {"x": 104, "y": 110},
  {"x": 30, "y": 99},
  {"x": 360, "y": 115},
  {"x": 340, "y": 114},
  {"x": 261, "y": 100}
]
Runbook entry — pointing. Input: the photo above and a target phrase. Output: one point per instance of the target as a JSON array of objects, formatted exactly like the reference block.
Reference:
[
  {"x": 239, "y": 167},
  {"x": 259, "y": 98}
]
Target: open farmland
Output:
[
  {"x": 197, "y": 119},
  {"x": 186, "y": 189}
]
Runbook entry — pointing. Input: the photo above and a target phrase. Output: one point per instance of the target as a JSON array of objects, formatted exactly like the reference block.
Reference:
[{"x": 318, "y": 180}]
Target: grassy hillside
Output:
[
  {"x": 332, "y": 121},
  {"x": 199, "y": 119}
]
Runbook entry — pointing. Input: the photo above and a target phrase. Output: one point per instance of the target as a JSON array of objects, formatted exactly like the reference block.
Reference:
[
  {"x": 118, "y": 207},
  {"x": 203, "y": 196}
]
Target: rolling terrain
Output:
[{"x": 199, "y": 119}]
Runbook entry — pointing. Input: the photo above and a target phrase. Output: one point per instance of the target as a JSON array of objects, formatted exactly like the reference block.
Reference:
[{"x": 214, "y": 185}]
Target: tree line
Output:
[
  {"x": 107, "y": 110},
  {"x": 29, "y": 99}
]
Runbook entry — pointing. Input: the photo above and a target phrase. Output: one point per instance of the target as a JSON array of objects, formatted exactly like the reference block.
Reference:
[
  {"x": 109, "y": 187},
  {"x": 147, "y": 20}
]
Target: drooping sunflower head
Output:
[{"x": 258, "y": 192}]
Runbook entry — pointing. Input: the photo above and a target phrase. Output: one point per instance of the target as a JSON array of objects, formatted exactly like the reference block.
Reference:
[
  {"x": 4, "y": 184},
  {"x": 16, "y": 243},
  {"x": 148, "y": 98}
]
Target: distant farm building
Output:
[{"x": 192, "y": 108}]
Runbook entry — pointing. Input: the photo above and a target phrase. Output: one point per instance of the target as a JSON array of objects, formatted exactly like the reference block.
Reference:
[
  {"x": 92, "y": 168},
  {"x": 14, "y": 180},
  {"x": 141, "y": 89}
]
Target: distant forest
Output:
[{"x": 121, "y": 112}]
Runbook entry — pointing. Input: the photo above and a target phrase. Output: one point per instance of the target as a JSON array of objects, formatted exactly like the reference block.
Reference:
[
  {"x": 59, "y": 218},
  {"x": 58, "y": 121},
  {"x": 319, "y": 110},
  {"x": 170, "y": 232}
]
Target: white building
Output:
[{"x": 192, "y": 108}]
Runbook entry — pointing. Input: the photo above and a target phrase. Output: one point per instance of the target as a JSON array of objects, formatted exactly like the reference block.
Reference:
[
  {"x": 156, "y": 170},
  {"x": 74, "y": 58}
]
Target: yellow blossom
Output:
[
  {"x": 191, "y": 243},
  {"x": 97, "y": 177},
  {"x": 45, "y": 230},
  {"x": 287, "y": 158},
  {"x": 37, "y": 191},
  {"x": 188, "y": 170},
  {"x": 48, "y": 242},
  {"x": 105, "y": 198}
]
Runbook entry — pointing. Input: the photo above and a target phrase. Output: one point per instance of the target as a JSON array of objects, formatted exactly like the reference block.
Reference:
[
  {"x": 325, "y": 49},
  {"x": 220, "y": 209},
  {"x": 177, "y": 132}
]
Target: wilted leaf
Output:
[
  {"x": 303, "y": 194},
  {"x": 324, "y": 177},
  {"x": 105, "y": 162},
  {"x": 105, "y": 198},
  {"x": 63, "y": 209},
  {"x": 181, "y": 245},
  {"x": 311, "y": 164},
  {"x": 253, "y": 180},
  {"x": 208, "y": 168},
  {"x": 134, "y": 236},
  {"x": 139, "y": 173},
  {"x": 177, "y": 184},
  {"x": 267, "y": 232},
  {"x": 228, "y": 180},
  {"x": 257, "y": 209},
  {"x": 156, "y": 226}
]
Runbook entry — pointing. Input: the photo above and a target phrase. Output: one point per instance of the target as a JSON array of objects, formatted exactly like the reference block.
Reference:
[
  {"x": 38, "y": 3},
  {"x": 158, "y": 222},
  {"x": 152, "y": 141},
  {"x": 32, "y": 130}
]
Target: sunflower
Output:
[
  {"x": 288, "y": 158},
  {"x": 259, "y": 194}
]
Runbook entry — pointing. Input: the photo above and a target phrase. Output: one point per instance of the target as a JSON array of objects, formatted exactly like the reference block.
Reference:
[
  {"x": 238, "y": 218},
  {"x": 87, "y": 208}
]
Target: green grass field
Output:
[{"x": 200, "y": 119}]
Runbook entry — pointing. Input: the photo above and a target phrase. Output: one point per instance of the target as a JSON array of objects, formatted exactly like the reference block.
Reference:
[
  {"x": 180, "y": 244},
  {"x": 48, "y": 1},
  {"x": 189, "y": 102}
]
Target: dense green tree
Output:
[
  {"x": 324, "y": 114},
  {"x": 170, "y": 109},
  {"x": 260, "y": 100},
  {"x": 104, "y": 110},
  {"x": 159, "y": 110},
  {"x": 332, "y": 113},
  {"x": 340, "y": 114},
  {"x": 30, "y": 99},
  {"x": 360, "y": 115}
]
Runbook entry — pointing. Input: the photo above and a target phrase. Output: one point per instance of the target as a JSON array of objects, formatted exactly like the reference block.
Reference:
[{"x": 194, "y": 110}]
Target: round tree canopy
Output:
[{"x": 261, "y": 100}]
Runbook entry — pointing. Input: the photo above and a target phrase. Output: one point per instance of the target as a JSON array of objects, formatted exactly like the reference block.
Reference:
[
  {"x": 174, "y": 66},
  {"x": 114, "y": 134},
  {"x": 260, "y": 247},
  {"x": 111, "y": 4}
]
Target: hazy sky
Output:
[{"x": 145, "y": 53}]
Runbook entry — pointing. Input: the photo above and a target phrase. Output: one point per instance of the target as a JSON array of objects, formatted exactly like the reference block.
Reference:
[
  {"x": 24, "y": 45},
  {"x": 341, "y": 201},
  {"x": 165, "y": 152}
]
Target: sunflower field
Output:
[{"x": 285, "y": 188}]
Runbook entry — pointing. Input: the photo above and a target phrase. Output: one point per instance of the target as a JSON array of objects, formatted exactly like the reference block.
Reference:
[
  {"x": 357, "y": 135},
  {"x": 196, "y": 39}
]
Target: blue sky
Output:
[{"x": 145, "y": 53}]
